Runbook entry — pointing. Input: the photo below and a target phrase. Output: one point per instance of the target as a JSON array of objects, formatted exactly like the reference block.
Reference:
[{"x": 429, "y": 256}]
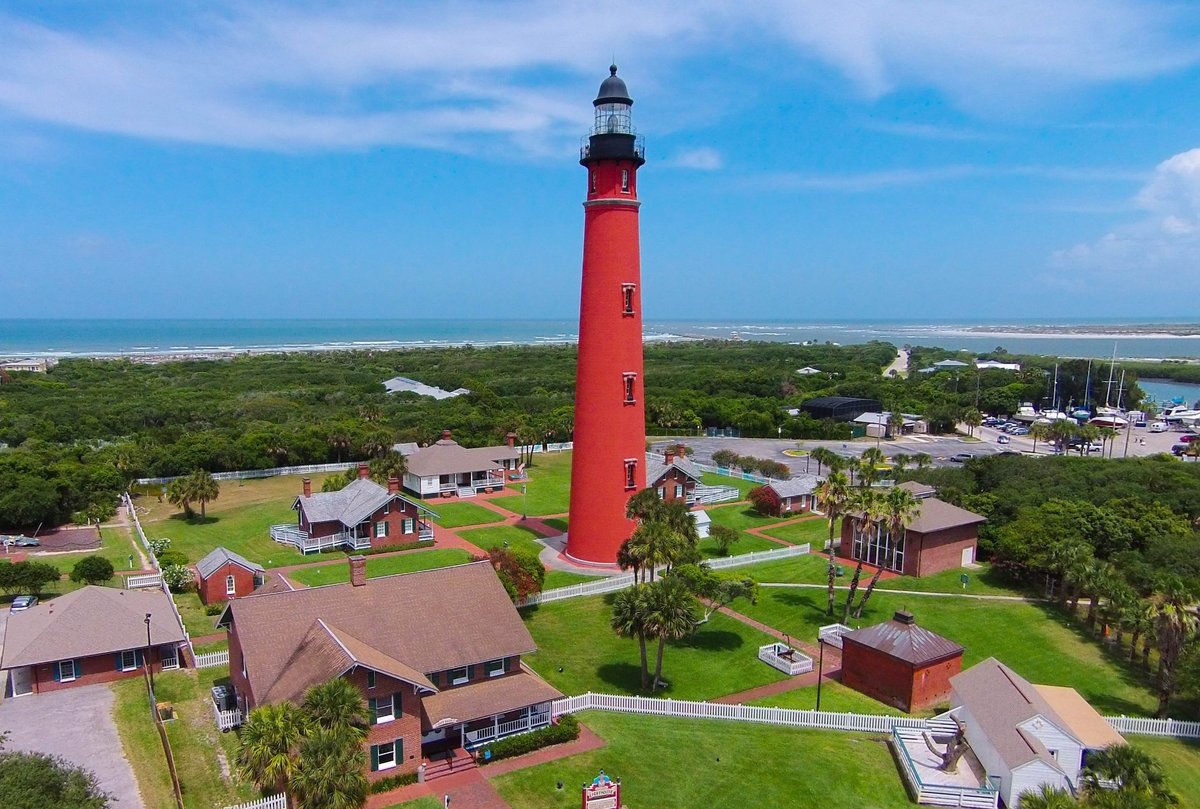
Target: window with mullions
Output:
[
  {"x": 627, "y": 299},
  {"x": 629, "y": 380},
  {"x": 630, "y": 474}
]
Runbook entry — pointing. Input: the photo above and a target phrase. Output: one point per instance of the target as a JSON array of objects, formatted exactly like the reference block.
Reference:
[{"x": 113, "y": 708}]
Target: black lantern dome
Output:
[{"x": 613, "y": 135}]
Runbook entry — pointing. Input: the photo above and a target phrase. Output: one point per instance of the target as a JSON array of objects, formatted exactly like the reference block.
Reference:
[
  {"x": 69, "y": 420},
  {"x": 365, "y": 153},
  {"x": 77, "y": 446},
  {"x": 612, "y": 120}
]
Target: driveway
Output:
[{"x": 76, "y": 724}]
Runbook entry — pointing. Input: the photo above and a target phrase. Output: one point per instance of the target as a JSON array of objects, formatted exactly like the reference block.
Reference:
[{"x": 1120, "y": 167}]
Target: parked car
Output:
[
  {"x": 1094, "y": 447},
  {"x": 1158, "y": 427},
  {"x": 1179, "y": 449},
  {"x": 22, "y": 542},
  {"x": 22, "y": 603},
  {"x": 1021, "y": 431},
  {"x": 1002, "y": 439},
  {"x": 961, "y": 457},
  {"x": 1188, "y": 438}
]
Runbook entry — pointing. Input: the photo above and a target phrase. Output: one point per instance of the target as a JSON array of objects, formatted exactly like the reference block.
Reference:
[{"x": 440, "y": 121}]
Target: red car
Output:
[{"x": 1188, "y": 438}]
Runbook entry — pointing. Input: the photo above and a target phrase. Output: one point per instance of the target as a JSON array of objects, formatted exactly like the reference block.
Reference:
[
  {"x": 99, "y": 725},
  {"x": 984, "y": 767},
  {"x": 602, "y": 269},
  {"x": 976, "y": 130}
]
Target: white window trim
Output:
[
  {"x": 488, "y": 667},
  {"x": 379, "y": 756},
  {"x": 407, "y": 526},
  {"x": 132, "y": 666},
  {"x": 380, "y": 719},
  {"x": 230, "y": 586},
  {"x": 466, "y": 677},
  {"x": 679, "y": 490},
  {"x": 74, "y": 674},
  {"x": 370, "y": 679},
  {"x": 381, "y": 529}
]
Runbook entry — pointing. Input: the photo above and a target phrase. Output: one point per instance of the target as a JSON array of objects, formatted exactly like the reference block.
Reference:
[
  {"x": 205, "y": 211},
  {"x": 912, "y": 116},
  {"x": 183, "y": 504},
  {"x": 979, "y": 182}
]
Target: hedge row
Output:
[
  {"x": 566, "y": 730},
  {"x": 407, "y": 546},
  {"x": 393, "y": 782}
]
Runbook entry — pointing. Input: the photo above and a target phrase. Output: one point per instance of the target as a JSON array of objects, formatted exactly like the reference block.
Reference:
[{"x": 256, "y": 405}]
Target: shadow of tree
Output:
[{"x": 710, "y": 640}]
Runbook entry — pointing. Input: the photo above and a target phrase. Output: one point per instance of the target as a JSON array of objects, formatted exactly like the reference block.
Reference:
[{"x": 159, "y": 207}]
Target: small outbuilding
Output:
[
  {"x": 900, "y": 664},
  {"x": 797, "y": 495},
  {"x": 840, "y": 408},
  {"x": 223, "y": 575}
]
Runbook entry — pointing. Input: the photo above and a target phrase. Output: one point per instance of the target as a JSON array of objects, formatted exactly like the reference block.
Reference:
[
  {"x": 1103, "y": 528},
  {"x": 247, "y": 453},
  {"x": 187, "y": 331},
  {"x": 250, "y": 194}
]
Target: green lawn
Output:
[
  {"x": 457, "y": 514},
  {"x": 548, "y": 487},
  {"x": 743, "y": 486},
  {"x": 669, "y": 763},
  {"x": 559, "y": 523},
  {"x": 806, "y": 569},
  {"x": 192, "y": 611},
  {"x": 811, "y": 569},
  {"x": 192, "y": 735},
  {"x": 338, "y": 572},
  {"x": 561, "y": 578},
  {"x": 1180, "y": 759},
  {"x": 814, "y": 530},
  {"x": 574, "y": 635},
  {"x": 745, "y": 544},
  {"x": 208, "y": 648},
  {"x": 242, "y": 529},
  {"x": 517, "y": 537},
  {"x": 1039, "y": 642},
  {"x": 834, "y": 697},
  {"x": 740, "y": 516}
]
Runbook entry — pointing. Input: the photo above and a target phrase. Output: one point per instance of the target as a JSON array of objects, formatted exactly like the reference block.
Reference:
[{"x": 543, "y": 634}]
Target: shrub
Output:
[
  {"x": 520, "y": 571},
  {"x": 724, "y": 537},
  {"x": 407, "y": 546},
  {"x": 26, "y": 577},
  {"x": 35, "y": 780},
  {"x": 724, "y": 457},
  {"x": 765, "y": 501},
  {"x": 392, "y": 782},
  {"x": 92, "y": 570},
  {"x": 178, "y": 578},
  {"x": 214, "y": 609},
  {"x": 566, "y": 730},
  {"x": 158, "y": 546},
  {"x": 172, "y": 558}
]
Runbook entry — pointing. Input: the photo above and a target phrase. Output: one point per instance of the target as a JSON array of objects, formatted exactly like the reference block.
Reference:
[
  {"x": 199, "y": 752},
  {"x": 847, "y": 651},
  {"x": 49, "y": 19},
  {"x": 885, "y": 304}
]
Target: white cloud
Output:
[
  {"x": 702, "y": 158},
  {"x": 471, "y": 76},
  {"x": 889, "y": 178},
  {"x": 1165, "y": 238}
]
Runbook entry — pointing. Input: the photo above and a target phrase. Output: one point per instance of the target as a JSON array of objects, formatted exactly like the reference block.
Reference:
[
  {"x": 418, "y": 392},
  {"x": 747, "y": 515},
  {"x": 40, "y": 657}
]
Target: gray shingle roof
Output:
[
  {"x": 218, "y": 557},
  {"x": 795, "y": 486},
  {"x": 905, "y": 641},
  {"x": 656, "y": 467},
  {"x": 447, "y": 457},
  {"x": 360, "y": 499},
  {"x": 90, "y": 621}
]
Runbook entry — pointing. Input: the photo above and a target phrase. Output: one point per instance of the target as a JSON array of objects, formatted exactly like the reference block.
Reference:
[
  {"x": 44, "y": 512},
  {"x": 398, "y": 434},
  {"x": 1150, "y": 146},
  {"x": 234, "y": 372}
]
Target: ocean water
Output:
[{"x": 165, "y": 338}]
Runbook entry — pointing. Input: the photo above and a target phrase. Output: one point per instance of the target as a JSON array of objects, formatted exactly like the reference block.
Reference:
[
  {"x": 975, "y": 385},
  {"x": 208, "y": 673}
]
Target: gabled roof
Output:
[
  {"x": 904, "y": 640},
  {"x": 447, "y": 457},
  {"x": 1000, "y": 701},
  {"x": 795, "y": 486},
  {"x": 217, "y": 558},
  {"x": 358, "y": 500},
  {"x": 1079, "y": 717},
  {"x": 90, "y": 621},
  {"x": 918, "y": 490},
  {"x": 656, "y": 468},
  {"x": 400, "y": 618},
  {"x": 938, "y": 515}
]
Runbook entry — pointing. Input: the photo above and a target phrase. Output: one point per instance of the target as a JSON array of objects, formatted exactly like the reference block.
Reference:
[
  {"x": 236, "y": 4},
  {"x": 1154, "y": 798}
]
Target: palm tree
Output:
[
  {"x": 179, "y": 494},
  {"x": 1174, "y": 623},
  {"x": 339, "y": 442},
  {"x": 671, "y": 616},
  {"x": 628, "y": 560},
  {"x": 1048, "y": 797},
  {"x": 1141, "y": 626},
  {"x": 1107, "y": 436},
  {"x": 1131, "y": 768},
  {"x": 337, "y": 706},
  {"x": 269, "y": 745},
  {"x": 1097, "y": 580},
  {"x": 895, "y": 424},
  {"x": 821, "y": 455},
  {"x": 900, "y": 507},
  {"x": 833, "y": 494},
  {"x": 630, "y": 610},
  {"x": 202, "y": 488},
  {"x": 329, "y": 771},
  {"x": 1038, "y": 431},
  {"x": 972, "y": 418},
  {"x": 923, "y": 460},
  {"x": 1062, "y": 557},
  {"x": 865, "y": 509},
  {"x": 868, "y": 466}
]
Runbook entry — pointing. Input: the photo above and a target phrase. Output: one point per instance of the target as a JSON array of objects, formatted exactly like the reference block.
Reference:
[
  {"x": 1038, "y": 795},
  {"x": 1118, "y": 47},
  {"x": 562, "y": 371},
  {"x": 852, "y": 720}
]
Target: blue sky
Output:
[{"x": 919, "y": 160}]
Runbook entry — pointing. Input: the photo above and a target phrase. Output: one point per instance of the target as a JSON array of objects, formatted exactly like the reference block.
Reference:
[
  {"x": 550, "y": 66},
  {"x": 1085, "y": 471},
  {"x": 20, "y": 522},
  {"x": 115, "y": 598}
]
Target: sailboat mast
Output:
[
  {"x": 1112, "y": 371},
  {"x": 1121, "y": 389},
  {"x": 1054, "y": 395},
  {"x": 1087, "y": 387}
]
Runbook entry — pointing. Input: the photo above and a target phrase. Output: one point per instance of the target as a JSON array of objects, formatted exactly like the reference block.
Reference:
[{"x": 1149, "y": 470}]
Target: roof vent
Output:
[{"x": 904, "y": 617}]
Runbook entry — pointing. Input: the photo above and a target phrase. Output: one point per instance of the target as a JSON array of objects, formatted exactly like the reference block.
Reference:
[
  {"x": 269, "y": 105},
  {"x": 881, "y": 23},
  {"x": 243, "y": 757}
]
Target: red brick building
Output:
[
  {"x": 900, "y": 664},
  {"x": 92, "y": 635},
  {"x": 432, "y": 683},
  {"x": 223, "y": 574},
  {"x": 361, "y": 515},
  {"x": 941, "y": 537},
  {"x": 797, "y": 494},
  {"x": 674, "y": 477}
]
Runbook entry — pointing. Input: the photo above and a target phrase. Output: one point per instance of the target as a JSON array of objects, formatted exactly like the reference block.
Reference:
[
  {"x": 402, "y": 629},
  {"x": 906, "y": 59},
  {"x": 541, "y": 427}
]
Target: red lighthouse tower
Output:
[{"x": 609, "y": 461}]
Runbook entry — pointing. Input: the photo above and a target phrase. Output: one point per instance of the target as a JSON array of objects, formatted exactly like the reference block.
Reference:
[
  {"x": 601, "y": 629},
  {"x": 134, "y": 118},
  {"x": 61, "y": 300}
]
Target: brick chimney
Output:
[
  {"x": 511, "y": 440},
  {"x": 669, "y": 456},
  {"x": 393, "y": 485},
  {"x": 358, "y": 570},
  {"x": 364, "y": 471},
  {"x": 445, "y": 435},
  {"x": 307, "y": 487}
]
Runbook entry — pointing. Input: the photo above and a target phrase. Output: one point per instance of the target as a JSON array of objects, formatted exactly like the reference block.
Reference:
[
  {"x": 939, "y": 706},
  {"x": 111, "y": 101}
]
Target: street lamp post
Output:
[
  {"x": 524, "y": 499},
  {"x": 149, "y": 667},
  {"x": 820, "y": 668}
]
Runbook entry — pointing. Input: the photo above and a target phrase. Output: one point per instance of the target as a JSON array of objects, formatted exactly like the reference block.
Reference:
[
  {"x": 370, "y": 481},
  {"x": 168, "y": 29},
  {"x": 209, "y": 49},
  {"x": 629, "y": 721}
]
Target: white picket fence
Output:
[
  {"x": 1140, "y": 726},
  {"x": 615, "y": 583},
  {"x": 273, "y": 802},
  {"x": 143, "y": 580},
  {"x": 210, "y": 660},
  {"x": 730, "y": 472}
]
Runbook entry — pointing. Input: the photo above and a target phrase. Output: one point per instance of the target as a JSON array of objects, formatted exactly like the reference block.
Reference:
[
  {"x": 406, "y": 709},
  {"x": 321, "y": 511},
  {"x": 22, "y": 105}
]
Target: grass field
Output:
[
  {"x": 1037, "y": 641},
  {"x": 814, "y": 530},
  {"x": 559, "y": 523},
  {"x": 192, "y": 735},
  {"x": 1180, "y": 759},
  {"x": 235, "y": 494},
  {"x": 456, "y": 514},
  {"x": 740, "y": 517},
  {"x": 192, "y": 611},
  {"x": 242, "y": 529},
  {"x": 548, "y": 490},
  {"x": 743, "y": 486},
  {"x": 574, "y": 635},
  {"x": 561, "y": 578},
  {"x": 420, "y": 803},
  {"x": 834, "y": 697},
  {"x": 745, "y": 544},
  {"x": 338, "y": 572},
  {"x": 518, "y": 537},
  {"x": 685, "y": 763}
]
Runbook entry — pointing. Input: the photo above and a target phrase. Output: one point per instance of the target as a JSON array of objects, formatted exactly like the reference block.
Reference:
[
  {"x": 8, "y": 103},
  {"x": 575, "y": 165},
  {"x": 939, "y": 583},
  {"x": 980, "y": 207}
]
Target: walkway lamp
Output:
[
  {"x": 820, "y": 667},
  {"x": 524, "y": 499}
]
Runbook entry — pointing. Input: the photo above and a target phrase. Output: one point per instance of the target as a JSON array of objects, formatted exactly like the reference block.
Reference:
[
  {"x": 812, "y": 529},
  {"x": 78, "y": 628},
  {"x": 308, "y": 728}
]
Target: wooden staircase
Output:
[{"x": 451, "y": 762}]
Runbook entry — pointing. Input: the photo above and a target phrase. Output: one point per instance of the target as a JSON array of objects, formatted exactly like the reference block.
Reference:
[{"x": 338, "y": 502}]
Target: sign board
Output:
[
  {"x": 602, "y": 793},
  {"x": 964, "y": 578}
]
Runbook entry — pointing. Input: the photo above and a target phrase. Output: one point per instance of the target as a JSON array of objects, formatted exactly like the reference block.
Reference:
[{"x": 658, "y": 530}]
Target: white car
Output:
[{"x": 1158, "y": 427}]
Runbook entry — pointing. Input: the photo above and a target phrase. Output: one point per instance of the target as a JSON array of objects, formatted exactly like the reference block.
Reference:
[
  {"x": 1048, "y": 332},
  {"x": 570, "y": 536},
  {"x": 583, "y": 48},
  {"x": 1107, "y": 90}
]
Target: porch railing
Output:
[
  {"x": 984, "y": 797},
  {"x": 305, "y": 543},
  {"x": 475, "y": 738}
]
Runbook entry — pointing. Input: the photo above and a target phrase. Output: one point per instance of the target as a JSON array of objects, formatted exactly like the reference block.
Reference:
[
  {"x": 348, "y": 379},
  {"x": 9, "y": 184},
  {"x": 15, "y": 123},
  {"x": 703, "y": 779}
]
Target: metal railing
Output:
[{"x": 982, "y": 797}]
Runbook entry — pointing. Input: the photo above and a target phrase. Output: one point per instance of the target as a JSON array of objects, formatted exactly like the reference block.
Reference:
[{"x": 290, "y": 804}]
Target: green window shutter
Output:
[
  {"x": 374, "y": 758},
  {"x": 470, "y": 672},
  {"x": 397, "y": 704},
  {"x": 399, "y": 752},
  {"x": 139, "y": 659},
  {"x": 57, "y": 672},
  {"x": 373, "y": 711},
  {"x": 118, "y": 656}
]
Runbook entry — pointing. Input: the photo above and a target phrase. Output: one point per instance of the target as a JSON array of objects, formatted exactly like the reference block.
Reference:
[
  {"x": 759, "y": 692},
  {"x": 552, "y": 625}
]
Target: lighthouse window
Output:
[
  {"x": 629, "y": 380},
  {"x": 625, "y": 181},
  {"x": 593, "y": 182},
  {"x": 627, "y": 299},
  {"x": 630, "y": 474}
]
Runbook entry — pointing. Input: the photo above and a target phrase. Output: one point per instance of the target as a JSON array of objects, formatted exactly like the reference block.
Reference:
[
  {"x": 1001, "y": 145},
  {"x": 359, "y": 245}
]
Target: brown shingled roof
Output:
[
  {"x": 938, "y": 515},
  {"x": 428, "y": 621},
  {"x": 501, "y": 695},
  {"x": 901, "y": 638}
]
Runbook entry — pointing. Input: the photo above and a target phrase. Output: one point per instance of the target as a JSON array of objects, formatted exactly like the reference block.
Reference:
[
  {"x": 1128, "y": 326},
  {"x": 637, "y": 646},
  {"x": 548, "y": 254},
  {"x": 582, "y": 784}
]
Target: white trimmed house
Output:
[
  {"x": 797, "y": 495},
  {"x": 446, "y": 468}
]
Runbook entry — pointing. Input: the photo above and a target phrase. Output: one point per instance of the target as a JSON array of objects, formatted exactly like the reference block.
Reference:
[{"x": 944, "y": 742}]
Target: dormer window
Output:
[
  {"x": 630, "y": 379},
  {"x": 630, "y": 473},
  {"x": 627, "y": 298}
]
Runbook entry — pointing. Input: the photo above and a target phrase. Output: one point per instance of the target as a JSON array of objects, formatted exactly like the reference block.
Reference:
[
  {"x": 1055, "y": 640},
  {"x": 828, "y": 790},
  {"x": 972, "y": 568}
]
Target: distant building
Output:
[
  {"x": 808, "y": 370},
  {"x": 945, "y": 365},
  {"x": 797, "y": 494},
  {"x": 992, "y": 365},
  {"x": 941, "y": 537},
  {"x": 224, "y": 574},
  {"x": 674, "y": 478},
  {"x": 445, "y": 468},
  {"x": 840, "y": 408},
  {"x": 92, "y": 635},
  {"x": 900, "y": 664},
  {"x": 877, "y": 424},
  {"x": 35, "y": 366},
  {"x": 1026, "y": 735},
  {"x": 402, "y": 384}
]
